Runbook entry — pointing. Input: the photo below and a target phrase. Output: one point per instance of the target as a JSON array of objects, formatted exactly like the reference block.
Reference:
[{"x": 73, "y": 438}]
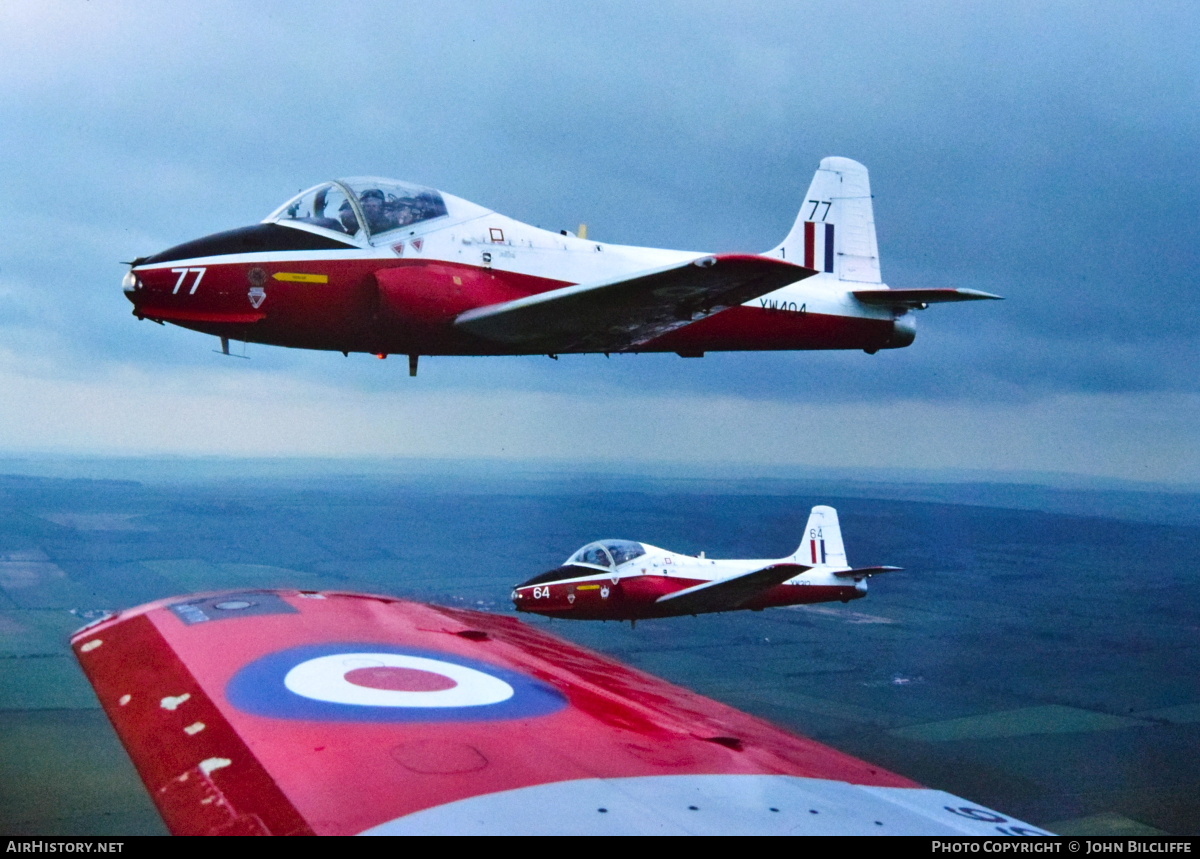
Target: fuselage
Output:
[
  {"x": 632, "y": 589},
  {"x": 303, "y": 279}
]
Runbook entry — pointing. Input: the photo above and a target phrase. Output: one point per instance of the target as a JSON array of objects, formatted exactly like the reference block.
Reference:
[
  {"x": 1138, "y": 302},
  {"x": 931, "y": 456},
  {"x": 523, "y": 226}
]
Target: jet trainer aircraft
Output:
[
  {"x": 385, "y": 267},
  {"x": 624, "y": 580}
]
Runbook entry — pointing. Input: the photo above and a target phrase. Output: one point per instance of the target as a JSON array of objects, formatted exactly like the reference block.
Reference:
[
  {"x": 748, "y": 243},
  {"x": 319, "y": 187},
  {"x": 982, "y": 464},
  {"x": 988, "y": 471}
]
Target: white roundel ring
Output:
[{"x": 325, "y": 678}]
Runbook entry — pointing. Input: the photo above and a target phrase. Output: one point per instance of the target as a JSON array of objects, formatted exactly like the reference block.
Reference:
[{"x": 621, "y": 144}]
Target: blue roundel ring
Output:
[{"x": 371, "y": 682}]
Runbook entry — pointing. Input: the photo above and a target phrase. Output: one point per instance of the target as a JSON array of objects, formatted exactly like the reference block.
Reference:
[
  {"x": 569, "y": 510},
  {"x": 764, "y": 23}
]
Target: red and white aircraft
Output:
[
  {"x": 380, "y": 266},
  {"x": 298, "y": 712},
  {"x": 624, "y": 580}
]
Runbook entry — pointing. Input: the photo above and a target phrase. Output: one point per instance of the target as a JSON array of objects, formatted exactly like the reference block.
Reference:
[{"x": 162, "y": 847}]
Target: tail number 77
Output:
[
  {"x": 816, "y": 204},
  {"x": 183, "y": 274}
]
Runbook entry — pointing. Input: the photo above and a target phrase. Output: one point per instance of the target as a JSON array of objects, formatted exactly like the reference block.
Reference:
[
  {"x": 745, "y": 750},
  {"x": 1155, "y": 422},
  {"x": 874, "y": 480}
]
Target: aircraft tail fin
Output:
[
  {"x": 835, "y": 230},
  {"x": 822, "y": 544}
]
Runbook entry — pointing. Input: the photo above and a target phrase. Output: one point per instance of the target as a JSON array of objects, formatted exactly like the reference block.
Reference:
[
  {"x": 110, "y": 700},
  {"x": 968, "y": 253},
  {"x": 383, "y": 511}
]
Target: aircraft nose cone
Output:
[{"x": 131, "y": 285}]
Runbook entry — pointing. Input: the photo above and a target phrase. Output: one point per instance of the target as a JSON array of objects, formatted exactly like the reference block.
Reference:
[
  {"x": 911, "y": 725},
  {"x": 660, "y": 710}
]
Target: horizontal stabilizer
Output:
[
  {"x": 918, "y": 297},
  {"x": 732, "y": 593},
  {"x": 617, "y": 314},
  {"x": 866, "y": 572}
]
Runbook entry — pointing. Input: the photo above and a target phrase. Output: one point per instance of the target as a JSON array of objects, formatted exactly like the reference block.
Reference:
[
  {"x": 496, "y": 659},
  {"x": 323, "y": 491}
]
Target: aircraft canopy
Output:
[
  {"x": 341, "y": 208},
  {"x": 608, "y": 553}
]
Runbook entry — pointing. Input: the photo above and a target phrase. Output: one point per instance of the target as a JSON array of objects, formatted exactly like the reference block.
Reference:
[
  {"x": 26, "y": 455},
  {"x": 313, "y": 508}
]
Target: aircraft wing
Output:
[
  {"x": 731, "y": 593},
  {"x": 866, "y": 572},
  {"x": 617, "y": 314},
  {"x": 908, "y": 298},
  {"x": 297, "y": 712}
]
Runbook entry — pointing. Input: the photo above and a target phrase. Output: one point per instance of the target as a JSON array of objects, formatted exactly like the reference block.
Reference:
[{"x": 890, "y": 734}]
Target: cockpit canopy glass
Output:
[
  {"x": 344, "y": 207},
  {"x": 609, "y": 553},
  {"x": 326, "y": 207},
  {"x": 389, "y": 205}
]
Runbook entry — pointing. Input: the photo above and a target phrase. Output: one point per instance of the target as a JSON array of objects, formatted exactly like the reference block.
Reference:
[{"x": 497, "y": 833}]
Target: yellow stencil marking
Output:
[
  {"x": 588, "y": 588},
  {"x": 300, "y": 277}
]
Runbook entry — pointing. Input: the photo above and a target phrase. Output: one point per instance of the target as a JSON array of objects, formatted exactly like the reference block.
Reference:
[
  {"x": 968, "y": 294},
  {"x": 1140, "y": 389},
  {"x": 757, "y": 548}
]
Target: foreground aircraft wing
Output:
[
  {"x": 297, "y": 712},
  {"x": 731, "y": 593},
  {"x": 611, "y": 315},
  {"x": 866, "y": 572},
  {"x": 919, "y": 297}
]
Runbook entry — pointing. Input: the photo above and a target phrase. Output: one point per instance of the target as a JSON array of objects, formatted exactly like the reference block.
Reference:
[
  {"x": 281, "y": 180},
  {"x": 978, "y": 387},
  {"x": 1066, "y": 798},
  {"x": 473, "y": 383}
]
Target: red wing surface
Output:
[
  {"x": 731, "y": 593},
  {"x": 613, "y": 315},
  {"x": 291, "y": 712}
]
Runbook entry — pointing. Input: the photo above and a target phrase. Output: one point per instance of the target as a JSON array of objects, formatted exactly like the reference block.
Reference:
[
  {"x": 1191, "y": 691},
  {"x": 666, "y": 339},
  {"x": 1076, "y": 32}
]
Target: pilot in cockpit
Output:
[
  {"x": 374, "y": 207},
  {"x": 405, "y": 213},
  {"x": 347, "y": 217}
]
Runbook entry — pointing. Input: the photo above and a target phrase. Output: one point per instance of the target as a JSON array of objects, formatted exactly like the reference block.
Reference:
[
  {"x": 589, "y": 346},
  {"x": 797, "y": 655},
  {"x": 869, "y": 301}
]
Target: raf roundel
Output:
[
  {"x": 394, "y": 680},
  {"x": 356, "y": 682}
]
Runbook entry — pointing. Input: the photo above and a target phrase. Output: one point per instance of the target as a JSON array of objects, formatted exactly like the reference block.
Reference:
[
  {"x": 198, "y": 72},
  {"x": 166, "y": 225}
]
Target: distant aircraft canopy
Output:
[{"x": 608, "y": 553}]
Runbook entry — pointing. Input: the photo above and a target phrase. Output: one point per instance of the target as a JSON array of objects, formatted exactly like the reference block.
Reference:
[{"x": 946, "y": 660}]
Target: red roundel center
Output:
[{"x": 396, "y": 679}]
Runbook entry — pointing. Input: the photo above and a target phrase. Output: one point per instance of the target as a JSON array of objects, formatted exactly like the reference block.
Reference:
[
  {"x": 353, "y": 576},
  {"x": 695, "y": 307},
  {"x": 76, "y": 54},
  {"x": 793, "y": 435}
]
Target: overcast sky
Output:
[{"x": 1043, "y": 151}]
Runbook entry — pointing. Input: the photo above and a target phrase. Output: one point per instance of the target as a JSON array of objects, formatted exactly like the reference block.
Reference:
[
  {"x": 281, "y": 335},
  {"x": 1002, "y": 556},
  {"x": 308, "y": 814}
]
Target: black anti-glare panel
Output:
[{"x": 245, "y": 240}]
